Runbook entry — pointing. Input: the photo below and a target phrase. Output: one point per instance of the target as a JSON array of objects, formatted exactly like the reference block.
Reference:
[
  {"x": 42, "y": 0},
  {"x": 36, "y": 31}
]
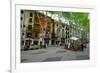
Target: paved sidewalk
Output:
[{"x": 53, "y": 54}]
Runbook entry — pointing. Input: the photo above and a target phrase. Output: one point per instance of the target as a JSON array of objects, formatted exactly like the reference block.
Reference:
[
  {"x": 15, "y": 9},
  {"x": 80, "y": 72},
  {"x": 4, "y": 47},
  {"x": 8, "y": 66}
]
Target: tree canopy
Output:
[{"x": 80, "y": 19}]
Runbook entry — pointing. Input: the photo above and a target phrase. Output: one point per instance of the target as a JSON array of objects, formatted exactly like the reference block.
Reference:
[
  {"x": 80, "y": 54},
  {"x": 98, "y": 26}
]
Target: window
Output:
[
  {"x": 31, "y": 14},
  {"x": 23, "y": 25},
  {"x": 30, "y": 27},
  {"x": 21, "y": 18},
  {"x": 29, "y": 35},
  {"x": 22, "y": 11},
  {"x": 22, "y": 34},
  {"x": 30, "y": 20},
  {"x": 62, "y": 30},
  {"x": 63, "y": 25}
]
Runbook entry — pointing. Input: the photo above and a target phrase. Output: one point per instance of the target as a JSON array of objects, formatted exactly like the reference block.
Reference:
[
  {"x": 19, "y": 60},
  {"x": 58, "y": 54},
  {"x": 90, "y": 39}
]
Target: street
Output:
[{"x": 53, "y": 53}]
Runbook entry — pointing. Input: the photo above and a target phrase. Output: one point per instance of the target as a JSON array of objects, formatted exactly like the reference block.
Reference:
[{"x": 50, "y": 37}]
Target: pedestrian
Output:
[
  {"x": 82, "y": 47},
  {"x": 59, "y": 41},
  {"x": 40, "y": 41},
  {"x": 69, "y": 44}
]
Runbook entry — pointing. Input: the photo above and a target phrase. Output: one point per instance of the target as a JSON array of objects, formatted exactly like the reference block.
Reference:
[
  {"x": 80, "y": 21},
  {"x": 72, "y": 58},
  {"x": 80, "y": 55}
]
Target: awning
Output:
[{"x": 74, "y": 38}]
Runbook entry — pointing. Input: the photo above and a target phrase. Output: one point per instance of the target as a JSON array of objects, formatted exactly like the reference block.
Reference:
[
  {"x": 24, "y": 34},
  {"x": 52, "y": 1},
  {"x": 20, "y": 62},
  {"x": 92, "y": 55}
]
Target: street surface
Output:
[{"x": 53, "y": 53}]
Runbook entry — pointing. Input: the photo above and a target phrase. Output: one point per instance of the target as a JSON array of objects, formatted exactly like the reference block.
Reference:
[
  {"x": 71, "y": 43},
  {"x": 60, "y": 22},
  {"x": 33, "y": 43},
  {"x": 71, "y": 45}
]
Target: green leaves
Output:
[{"x": 80, "y": 19}]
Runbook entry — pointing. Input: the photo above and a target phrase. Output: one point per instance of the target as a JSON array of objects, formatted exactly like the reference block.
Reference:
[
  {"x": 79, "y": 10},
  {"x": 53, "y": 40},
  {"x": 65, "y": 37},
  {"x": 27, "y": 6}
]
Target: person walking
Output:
[{"x": 40, "y": 41}]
